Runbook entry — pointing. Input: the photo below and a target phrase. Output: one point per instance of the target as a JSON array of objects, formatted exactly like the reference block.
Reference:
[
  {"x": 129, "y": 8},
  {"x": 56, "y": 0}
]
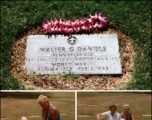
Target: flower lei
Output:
[{"x": 94, "y": 23}]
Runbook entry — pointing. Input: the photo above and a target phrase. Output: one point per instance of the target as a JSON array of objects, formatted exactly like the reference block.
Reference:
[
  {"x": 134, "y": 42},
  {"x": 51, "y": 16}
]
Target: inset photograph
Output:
[
  {"x": 114, "y": 106},
  {"x": 37, "y": 105}
]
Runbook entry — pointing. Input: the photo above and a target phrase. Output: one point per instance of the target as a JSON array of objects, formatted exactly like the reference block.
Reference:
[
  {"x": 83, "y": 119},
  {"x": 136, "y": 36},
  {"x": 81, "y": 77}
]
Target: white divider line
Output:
[
  {"x": 75, "y": 105},
  {"x": 138, "y": 91}
]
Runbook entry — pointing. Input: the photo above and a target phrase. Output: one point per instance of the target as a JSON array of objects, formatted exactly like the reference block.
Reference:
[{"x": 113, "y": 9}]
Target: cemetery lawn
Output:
[
  {"x": 96, "y": 102},
  {"x": 14, "y": 105},
  {"x": 131, "y": 17}
]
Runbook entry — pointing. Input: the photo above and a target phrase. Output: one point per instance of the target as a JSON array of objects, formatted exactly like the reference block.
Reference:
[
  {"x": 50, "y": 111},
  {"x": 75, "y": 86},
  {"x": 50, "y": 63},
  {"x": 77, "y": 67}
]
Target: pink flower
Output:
[
  {"x": 94, "y": 23},
  {"x": 104, "y": 20}
]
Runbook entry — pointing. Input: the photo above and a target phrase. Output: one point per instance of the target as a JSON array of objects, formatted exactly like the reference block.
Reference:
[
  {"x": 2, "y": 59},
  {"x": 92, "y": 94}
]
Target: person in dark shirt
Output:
[
  {"x": 49, "y": 111},
  {"x": 126, "y": 115}
]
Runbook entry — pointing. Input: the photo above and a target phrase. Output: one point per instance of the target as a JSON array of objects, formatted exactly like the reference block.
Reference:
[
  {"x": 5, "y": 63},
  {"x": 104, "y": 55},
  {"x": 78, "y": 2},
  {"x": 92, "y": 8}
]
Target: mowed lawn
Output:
[
  {"x": 14, "y": 105},
  {"x": 92, "y": 103}
]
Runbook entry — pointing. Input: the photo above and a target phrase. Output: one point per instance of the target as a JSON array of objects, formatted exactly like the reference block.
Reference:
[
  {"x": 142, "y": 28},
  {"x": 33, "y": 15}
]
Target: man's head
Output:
[{"x": 112, "y": 108}]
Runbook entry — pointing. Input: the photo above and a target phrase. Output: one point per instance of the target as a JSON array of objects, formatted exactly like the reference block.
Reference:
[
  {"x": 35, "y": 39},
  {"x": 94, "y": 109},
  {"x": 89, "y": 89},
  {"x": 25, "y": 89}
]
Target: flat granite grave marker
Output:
[{"x": 78, "y": 54}]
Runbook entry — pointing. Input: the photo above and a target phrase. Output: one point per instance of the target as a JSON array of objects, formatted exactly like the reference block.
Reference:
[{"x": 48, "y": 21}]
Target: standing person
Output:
[
  {"x": 110, "y": 115},
  {"x": 49, "y": 111},
  {"x": 126, "y": 115}
]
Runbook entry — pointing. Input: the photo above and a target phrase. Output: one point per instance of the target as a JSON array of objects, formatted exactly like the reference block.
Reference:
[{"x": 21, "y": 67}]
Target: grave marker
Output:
[{"x": 78, "y": 54}]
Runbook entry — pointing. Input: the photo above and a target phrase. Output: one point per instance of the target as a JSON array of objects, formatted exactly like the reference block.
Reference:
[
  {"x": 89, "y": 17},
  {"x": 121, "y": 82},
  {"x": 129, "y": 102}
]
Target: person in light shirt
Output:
[{"x": 109, "y": 115}]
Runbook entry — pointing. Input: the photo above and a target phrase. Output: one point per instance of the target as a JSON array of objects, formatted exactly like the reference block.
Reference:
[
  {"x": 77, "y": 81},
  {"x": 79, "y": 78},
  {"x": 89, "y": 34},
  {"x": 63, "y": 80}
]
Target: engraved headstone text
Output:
[{"x": 79, "y": 54}]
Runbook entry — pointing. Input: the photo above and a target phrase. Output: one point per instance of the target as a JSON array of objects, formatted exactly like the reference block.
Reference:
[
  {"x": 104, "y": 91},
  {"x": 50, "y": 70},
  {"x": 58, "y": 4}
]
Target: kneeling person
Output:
[{"x": 49, "y": 111}]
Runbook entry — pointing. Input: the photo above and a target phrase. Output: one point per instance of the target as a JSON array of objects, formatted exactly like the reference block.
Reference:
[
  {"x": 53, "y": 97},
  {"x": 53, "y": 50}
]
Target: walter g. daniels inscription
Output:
[{"x": 79, "y": 54}]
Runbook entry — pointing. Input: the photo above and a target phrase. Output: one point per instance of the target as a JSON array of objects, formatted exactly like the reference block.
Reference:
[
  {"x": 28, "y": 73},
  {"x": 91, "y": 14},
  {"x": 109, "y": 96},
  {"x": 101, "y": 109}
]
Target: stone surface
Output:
[{"x": 78, "y": 54}]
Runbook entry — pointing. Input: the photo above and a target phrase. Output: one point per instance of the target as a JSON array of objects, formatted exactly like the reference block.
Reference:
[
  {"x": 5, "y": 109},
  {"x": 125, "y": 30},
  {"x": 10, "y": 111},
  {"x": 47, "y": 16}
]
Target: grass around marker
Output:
[{"x": 133, "y": 17}]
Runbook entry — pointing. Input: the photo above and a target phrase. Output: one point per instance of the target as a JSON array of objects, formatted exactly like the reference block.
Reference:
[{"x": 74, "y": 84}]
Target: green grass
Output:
[
  {"x": 140, "y": 103},
  {"x": 70, "y": 76},
  {"x": 14, "y": 105},
  {"x": 133, "y": 17}
]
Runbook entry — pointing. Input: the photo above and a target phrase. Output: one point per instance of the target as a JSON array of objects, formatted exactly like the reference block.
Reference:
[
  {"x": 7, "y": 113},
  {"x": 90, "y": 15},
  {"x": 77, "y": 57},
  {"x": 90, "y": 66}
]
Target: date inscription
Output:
[{"x": 91, "y": 54}]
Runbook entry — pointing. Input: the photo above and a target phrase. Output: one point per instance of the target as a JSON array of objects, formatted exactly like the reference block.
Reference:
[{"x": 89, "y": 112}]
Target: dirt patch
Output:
[
  {"x": 4, "y": 118},
  {"x": 33, "y": 116},
  {"x": 81, "y": 104},
  {"x": 92, "y": 105},
  {"x": 84, "y": 115},
  {"x": 146, "y": 115},
  {"x": 82, "y": 82},
  {"x": 64, "y": 114}
]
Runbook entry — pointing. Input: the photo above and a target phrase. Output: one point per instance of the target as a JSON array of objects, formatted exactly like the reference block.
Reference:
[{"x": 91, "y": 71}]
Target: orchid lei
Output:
[{"x": 94, "y": 23}]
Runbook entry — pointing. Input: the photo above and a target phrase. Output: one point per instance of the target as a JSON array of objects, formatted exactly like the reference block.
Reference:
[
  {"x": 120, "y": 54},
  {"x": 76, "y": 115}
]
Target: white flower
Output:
[{"x": 23, "y": 118}]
